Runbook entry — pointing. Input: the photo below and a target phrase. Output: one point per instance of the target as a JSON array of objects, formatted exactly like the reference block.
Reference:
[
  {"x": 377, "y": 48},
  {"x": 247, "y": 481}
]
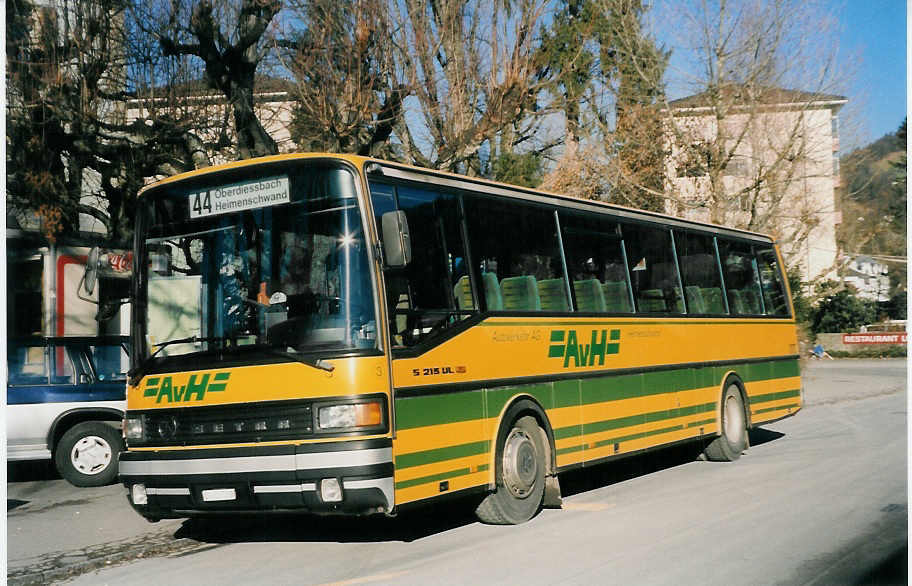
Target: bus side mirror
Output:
[
  {"x": 91, "y": 270},
  {"x": 397, "y": 246}
]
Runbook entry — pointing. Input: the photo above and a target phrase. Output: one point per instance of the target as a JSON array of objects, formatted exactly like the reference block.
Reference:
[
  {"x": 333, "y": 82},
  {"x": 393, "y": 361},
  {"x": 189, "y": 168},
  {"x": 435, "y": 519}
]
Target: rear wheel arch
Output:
[
  {"x": 732, "y": 377},
  {"x": 513, "y": 410}
]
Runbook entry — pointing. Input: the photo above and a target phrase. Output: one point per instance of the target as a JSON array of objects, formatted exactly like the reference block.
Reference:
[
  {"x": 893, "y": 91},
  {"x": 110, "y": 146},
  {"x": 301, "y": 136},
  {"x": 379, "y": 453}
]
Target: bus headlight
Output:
[
  {"x": 350, "y": 416},
  {"x": 133, "y": 428}
]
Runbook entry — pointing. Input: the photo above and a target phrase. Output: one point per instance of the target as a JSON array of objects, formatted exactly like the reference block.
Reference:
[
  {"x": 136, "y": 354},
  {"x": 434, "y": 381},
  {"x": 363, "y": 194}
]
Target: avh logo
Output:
[
  {"x": 564, "y": 344},
  {"x": 165, "y": 388}
]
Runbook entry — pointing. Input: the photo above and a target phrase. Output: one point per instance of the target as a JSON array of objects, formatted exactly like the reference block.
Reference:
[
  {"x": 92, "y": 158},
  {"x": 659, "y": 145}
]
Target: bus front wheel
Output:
[
  {"x": 733, "y": 439},
  {"x": 520, "y": 476}
]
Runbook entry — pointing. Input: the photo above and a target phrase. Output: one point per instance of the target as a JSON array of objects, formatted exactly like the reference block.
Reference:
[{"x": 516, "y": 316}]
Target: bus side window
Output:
[
  {"x": 742, "y": 281},
  {"x": 595, "y": 261},
  {"x": 700, "y": 273},
  {"x": 425, "y": 295},
  {"x": 517, "y": 245},
  {"x": 774, "y": 299},
  {"x": 653, "y": 271}
]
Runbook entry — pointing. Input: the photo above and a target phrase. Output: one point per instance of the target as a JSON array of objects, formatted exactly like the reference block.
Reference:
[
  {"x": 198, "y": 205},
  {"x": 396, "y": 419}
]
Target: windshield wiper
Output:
[
  {"x": 318, "y": 363},
  {"x": 137, "y": 373}
]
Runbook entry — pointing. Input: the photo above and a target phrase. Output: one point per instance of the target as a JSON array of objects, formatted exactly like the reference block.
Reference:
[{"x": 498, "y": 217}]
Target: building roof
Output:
[{"x": 742, "y": 94}]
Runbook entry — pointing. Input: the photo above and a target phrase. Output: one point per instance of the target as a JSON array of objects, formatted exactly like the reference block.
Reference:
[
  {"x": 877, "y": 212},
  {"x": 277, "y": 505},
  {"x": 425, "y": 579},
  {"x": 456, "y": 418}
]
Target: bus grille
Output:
[{"x": 244, "y": 423}]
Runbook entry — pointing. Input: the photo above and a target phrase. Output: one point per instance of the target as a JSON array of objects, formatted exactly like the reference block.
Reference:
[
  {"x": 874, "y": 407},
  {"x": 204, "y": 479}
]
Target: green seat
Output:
[
  {"x": 462, "y": 291},
  {"x": 589, "y": 296},
  {"x": 712, "y": 297},
  {"x": 617, "y": 300},
  {"x": 493, "y": 295},
  {"x": 520, "y": 293},
  {"x": 652, "y": 301},
  {"x": 736, "y": 301},
  {"x": 553, "y": 295},
  {"x": 695, "y": 301},
  {"x": 751, "y": 301}
]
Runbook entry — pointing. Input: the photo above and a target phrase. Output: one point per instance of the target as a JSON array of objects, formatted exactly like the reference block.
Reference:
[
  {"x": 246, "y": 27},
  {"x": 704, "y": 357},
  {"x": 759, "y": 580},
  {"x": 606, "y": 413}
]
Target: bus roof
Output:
[{"x": 443, "y": 178}]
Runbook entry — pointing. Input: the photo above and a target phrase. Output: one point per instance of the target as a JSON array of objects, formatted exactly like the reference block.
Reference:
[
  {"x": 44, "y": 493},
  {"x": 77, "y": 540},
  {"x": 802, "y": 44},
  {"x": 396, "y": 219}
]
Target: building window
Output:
[
  {"x": 836, "y": 163},
  {"x": 738, "y": 167},
  {"x": 834, "y": 126}
]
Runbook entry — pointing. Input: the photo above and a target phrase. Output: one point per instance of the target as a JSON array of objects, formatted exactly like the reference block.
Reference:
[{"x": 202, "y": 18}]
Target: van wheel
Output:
[
  {"x": 87, "y": 453},
  {"x": 520, "y": 476},
  {"x": 728, "y": 446}
]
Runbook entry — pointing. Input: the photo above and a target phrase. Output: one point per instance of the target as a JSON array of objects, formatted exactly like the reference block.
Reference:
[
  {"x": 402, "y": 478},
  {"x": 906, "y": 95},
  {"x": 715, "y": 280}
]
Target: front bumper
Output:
[{"x": 182, "y": 483}]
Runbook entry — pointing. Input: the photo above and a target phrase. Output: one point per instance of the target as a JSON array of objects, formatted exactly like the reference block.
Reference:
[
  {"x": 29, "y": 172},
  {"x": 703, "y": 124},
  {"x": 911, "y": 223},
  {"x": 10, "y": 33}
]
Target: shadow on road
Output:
[
  {"x": 417, "y": 523},
  {"x": 290, "y": 527},
  {"x": 30, "y": 471}
]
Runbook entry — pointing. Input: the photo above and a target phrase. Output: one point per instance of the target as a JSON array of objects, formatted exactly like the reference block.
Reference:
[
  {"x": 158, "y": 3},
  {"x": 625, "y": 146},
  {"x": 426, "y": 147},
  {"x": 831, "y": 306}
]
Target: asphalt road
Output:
[{"x": 820, "y": 498}]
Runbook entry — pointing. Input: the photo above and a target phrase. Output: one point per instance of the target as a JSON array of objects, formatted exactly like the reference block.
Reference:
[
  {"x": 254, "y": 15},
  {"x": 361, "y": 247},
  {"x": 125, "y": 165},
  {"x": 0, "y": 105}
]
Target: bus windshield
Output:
[{"x": 276, "y": 261}]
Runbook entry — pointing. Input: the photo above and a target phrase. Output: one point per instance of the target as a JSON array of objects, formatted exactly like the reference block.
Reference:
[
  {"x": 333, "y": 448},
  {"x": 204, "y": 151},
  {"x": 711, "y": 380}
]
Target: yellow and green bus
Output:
[{"x": 340, "y": 334}]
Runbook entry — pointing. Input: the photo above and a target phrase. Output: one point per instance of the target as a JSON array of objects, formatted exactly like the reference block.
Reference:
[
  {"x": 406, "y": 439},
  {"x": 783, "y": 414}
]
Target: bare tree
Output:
[
  {"x": 72, "y": 149},
  {"x": 232, "y": 42},
  {"x": 753, "y": 147},
  {"x": 472, "y": 67},
  {"x": 348, "y": 93}
]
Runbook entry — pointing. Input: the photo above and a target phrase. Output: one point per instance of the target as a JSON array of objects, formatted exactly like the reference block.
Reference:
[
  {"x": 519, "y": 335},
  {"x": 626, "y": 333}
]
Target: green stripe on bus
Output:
[
  {"x": 635, "y": 436},
  {"x": 638, "y": 321},
  {"x": 774, "y": 396},
  {"x": 441, "y": 454},
  {"x": 414, "y": 412},
  {"x": 779, "y": 408},
  {"x": 629, "y": 421},
  {"x": 435, "y": 409},
  {"x": 438, "y": 477}
]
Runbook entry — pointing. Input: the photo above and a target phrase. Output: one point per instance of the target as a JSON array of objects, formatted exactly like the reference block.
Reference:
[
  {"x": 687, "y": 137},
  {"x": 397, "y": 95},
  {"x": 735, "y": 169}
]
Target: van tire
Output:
[{"x": 87, "y": 454}]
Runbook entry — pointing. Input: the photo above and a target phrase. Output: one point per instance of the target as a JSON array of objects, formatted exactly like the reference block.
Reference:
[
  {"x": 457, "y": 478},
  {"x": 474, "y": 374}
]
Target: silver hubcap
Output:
[
  {"x": 520, "y": 463},
  {"x": 91, "y": 455},
  {"x": 734, "y": 419}
]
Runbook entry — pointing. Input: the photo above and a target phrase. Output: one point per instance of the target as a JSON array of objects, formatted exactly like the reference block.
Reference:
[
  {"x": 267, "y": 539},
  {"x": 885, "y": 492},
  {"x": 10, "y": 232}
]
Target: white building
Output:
[
  {"x": 764, "y": 159},
  {"x": 869, "y": 277}
]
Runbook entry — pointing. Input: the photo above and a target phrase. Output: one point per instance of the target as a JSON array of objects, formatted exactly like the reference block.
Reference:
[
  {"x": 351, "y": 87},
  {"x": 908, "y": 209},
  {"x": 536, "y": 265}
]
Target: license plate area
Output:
[{"x": 214, "y": 495}]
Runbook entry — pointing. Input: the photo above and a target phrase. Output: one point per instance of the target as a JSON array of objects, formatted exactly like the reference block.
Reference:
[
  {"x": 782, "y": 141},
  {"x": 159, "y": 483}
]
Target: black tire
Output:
[
  {"x": 733, "y": 439},
  {"x": 87, "y": 454},
  {"x": 520, "y": 476}
]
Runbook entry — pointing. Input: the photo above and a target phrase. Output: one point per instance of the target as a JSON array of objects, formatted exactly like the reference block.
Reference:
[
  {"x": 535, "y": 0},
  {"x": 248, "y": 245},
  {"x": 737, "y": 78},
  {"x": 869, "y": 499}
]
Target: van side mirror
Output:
[
  {"x": 397, "y": 246},
  {"x": 91, "y": 270}
]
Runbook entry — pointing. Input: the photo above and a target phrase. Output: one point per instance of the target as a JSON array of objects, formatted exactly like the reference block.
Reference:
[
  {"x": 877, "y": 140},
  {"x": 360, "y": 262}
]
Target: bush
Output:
[
  {"x": 842, "y": 312},
  {"x": 884, "y": 352}
]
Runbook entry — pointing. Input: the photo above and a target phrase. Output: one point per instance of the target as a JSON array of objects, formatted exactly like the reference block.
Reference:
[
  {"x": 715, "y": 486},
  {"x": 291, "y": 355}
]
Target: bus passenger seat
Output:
[
  {"x": 652, "y": 301},
  {"x": 493, "y": 296},
  {"x": 736, "y": 301},
  {"x": 553, "y": 295},
  {"x": 695, "y": 301},
  {"x": 751, "y": 301},
  {"x": 712, "y": 296},
  {"x": 617, "y": 299},
  {"x": 589, "y": 296},
  {"x": 520, "y": 293},
  {"x": 462, "y": 291}
]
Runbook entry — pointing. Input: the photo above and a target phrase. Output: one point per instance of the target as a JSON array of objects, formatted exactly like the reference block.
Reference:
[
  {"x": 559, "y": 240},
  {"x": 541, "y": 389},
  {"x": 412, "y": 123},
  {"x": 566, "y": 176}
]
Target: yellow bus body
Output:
[{"x": 655, "y": 381}]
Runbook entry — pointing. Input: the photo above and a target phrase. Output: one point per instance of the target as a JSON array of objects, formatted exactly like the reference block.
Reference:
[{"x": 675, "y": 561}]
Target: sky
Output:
[
  {"x": 871, "y": 60},
  {"x": 876, "y": 29}
]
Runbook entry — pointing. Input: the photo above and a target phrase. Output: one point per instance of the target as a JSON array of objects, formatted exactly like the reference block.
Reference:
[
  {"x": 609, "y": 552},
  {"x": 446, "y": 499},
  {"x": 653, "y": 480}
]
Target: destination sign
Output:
[{"x": 236, "y": 197}]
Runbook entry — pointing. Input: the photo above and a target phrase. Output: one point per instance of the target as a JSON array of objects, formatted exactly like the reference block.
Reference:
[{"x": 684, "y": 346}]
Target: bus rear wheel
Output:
[
  {"x": 733, "y": 440},
  {"x": 520, "y": 476}
]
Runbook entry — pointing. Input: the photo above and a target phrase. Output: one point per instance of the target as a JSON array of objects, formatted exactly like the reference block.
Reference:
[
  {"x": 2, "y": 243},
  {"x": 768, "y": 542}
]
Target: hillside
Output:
[{"x": 873, "y": 200}]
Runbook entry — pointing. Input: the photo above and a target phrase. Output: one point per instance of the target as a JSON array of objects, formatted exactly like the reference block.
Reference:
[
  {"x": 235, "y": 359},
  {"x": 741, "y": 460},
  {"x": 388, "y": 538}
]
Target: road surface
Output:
[{"x": 820, "y": 498}]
